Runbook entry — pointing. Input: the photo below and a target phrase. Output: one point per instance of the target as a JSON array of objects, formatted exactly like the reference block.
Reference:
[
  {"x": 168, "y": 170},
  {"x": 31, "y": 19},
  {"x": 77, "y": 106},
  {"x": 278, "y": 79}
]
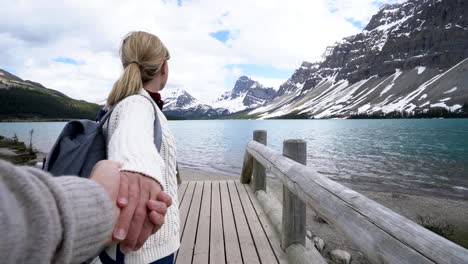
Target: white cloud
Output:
[
  {"x": 268, "y": 32},
  {"x": 358, "y": 10},
  {"x": 269, "y": 82}
]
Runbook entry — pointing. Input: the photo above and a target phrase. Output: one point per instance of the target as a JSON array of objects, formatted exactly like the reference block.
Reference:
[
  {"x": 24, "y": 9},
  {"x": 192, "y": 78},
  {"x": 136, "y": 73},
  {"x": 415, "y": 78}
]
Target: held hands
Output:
[{"x": 142, "y": 204}]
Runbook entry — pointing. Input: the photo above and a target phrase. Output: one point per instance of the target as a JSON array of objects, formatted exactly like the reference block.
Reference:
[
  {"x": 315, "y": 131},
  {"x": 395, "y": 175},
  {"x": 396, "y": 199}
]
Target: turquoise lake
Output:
[{"x": 428, "y": 156}]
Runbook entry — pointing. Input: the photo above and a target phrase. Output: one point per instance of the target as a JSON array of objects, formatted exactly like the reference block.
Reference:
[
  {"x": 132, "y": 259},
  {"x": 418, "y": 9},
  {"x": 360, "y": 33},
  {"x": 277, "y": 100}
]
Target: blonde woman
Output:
[{"x": 130, "y": 140}]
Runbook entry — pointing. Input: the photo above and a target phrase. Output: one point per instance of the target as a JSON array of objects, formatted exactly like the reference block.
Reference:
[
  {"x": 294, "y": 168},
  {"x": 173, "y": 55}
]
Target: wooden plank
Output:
[
  {"x": 294, "y": 210},
  {"x": 383, "y": 235},
  {"x": 217, "y": 253},
  {"x": 181, "y": 192},
  {"x": 201, "y": 253},
  {"x": 185, "y": 193},
  {"x": 185, "y": 206},
  {"x": 231, "y": 241},
  {"x": 187, "y": 244},
  {"x": 249, "y": 253},
  {"x": 270, "y": 232},
  {"x": 264, "y": 250}
]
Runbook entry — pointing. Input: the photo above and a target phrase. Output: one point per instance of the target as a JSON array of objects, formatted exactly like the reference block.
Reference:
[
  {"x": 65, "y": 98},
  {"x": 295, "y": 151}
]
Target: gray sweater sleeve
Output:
[{"x": 46, "y": 219}]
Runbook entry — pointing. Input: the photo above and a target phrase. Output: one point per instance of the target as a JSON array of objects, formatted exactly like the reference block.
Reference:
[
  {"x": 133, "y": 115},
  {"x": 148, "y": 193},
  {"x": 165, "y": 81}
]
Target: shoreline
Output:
[
  {"x": 447, "y": 211},
  {"x": 357, "y": 184},
  {"x": 17, "y": 152}
]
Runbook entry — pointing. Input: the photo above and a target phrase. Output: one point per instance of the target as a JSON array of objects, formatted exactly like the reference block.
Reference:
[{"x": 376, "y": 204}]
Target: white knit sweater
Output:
[{"x": 129, "y": 132}]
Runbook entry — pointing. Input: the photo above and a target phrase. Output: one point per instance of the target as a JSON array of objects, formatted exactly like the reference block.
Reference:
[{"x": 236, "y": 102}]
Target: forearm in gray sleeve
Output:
[{"x": 45, "y": 219}]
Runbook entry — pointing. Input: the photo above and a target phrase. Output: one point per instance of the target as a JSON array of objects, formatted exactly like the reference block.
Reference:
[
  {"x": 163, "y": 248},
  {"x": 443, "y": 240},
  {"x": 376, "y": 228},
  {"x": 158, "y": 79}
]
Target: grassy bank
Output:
[{"x": 17, "y": 152}]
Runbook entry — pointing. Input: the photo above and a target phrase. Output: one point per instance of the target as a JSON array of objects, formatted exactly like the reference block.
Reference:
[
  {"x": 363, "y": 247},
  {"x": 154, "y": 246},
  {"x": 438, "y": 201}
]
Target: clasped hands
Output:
[{"x": 139, "y": 202}]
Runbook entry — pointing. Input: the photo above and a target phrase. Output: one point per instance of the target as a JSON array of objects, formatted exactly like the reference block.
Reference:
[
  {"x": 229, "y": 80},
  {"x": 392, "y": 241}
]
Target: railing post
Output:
[
  {"x": 259, "y": 174},
  {"x": 294, "y": 210},
  {"x": 246, "y": 174}
]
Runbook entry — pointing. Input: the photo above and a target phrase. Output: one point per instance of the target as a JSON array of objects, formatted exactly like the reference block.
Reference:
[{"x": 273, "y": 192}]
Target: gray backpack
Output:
[{"x": 81, "y": 144}]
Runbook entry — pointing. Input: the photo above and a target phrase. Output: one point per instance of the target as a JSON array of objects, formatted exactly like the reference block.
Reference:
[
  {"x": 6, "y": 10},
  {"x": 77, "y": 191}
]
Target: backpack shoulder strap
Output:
[
  {"x": 157, "y": 126},
  {"x": 104, "y": 115}
]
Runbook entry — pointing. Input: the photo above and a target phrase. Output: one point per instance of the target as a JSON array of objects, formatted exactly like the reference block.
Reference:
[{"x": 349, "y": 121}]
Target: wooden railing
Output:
[{"x": 381, "y": 234}]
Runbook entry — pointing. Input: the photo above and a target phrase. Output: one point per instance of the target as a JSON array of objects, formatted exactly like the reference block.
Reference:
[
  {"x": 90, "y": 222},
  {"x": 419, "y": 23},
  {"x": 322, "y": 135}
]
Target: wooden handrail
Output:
[{"x": 381, "y": 234}]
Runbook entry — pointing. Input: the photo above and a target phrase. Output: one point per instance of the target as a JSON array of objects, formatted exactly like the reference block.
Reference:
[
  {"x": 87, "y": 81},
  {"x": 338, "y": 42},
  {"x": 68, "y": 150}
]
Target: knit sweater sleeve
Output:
[
  {"x": 47, "y": 219},
  {"x": 132, "y": 142}
]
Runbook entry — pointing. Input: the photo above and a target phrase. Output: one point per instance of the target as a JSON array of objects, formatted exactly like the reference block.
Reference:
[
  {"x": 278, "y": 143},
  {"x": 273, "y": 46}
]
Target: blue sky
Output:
[
  {"x": 355, "y": 23},
  {"x": 67, "y": 60},
  {"x": 9, "y": 69},
  {"x": 221, "y": 35},
  {"x": 258, "y": 70},
  {"x": 251, "y": 70},
  {"x": 267, "y": 71}
]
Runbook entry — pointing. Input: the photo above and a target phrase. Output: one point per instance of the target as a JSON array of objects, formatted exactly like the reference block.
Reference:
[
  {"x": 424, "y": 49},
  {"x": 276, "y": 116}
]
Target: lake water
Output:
[{"x": 425, "y": 156}]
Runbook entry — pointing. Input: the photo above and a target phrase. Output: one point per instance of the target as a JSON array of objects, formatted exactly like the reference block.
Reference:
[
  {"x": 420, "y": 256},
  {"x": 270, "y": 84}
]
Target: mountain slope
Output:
[
  {"x": 246, "y": 94},
  {"x": 410, "y": 57},
  {"x": 21, "y": 99}
]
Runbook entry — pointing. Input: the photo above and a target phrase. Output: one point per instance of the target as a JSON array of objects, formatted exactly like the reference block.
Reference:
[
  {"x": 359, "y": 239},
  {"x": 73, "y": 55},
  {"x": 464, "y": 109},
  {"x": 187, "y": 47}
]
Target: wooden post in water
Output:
[
  {"x": 294, "y": 210},
  {"x": 259, "y": 174}
]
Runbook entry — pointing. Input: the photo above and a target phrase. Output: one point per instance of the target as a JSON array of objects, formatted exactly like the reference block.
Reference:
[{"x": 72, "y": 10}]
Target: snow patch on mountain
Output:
[
  {"x": 420, "y": 69},
  {"x": 246, "y": 94},
  {"x": 451, "y": 90},
  {"x": 233, "y": 105},
  {"x": 394, "y": 76}
]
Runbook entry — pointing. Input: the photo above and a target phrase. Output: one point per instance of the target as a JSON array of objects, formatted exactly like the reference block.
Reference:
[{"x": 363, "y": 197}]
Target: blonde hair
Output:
[{"x": 142, "y": 55}]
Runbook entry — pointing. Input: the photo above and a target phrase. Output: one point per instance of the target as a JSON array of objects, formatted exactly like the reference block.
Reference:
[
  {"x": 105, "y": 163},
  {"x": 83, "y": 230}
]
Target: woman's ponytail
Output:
[
  {"x": 128, "y": 84},
  {"x": 142, "y": 55}
]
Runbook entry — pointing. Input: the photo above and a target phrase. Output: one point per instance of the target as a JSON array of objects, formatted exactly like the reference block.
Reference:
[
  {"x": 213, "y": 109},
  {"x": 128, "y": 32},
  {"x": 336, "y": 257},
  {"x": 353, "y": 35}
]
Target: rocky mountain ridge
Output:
[
  {"x": 410, "y": 57},
  {"x": 246, "y": 94}
]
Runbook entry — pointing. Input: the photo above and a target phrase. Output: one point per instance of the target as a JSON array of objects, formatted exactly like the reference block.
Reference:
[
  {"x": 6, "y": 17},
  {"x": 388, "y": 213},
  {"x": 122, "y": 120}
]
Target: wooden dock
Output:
[
  {"x": 222, "y": 222},
  {"x": 241, "y": 222}
]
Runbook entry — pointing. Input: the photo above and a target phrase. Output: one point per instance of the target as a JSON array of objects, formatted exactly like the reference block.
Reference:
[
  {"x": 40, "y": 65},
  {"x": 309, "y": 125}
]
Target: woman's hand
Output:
[{"x": 136, "y": 223}]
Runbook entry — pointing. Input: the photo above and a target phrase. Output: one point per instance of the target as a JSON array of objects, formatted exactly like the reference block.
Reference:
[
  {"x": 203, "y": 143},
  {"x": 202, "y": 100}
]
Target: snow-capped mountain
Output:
[
  {"x": 246, "y": 94},
  {"x": 410, "y": 57},
  {"x": 182, "y": 105},
  {"x": 180, "y": 99}
]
